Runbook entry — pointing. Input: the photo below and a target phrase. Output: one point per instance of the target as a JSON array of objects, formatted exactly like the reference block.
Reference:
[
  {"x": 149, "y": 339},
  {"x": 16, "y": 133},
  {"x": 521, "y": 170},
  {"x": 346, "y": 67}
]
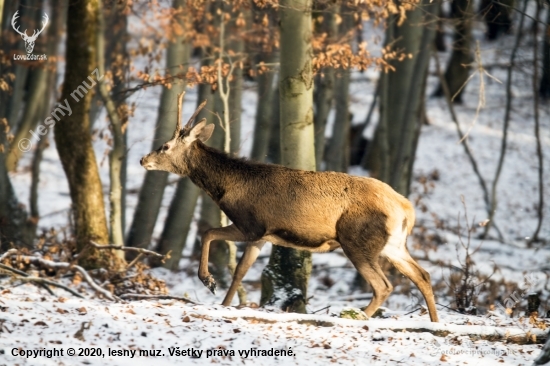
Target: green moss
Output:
[{"x": 353, "y": 313}]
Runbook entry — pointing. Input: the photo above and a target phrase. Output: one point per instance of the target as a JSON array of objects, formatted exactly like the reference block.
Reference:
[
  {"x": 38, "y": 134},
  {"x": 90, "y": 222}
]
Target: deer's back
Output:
[{"x": 310, "y": 206}]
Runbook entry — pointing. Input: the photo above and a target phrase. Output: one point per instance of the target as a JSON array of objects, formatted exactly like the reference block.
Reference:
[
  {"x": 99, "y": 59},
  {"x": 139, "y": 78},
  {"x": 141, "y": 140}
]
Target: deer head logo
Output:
[{"x": 29, "y": 41}]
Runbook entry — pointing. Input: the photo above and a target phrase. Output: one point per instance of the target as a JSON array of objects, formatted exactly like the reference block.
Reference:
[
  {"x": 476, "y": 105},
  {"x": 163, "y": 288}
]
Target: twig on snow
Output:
[{"x": 157, "y": 297}]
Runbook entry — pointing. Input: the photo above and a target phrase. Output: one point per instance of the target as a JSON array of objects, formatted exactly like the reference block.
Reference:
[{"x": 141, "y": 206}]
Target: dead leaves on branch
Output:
[
  {"x": 47, "y": 265},
  {"x": 195, "y": 23}
]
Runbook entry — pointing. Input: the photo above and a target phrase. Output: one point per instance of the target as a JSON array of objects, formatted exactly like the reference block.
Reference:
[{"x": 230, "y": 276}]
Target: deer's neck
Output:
[{"x": 211, "y": 170}]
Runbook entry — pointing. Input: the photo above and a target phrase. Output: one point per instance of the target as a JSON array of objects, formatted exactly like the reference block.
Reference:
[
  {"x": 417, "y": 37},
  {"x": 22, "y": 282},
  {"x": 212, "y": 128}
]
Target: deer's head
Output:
[
  {"x": 172, "y": 155},
  {"x": 29, "y": 40}
]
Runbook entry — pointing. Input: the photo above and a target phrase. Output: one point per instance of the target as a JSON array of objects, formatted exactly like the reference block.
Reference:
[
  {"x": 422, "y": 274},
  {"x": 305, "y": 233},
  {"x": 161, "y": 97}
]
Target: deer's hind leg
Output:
[
  {"x": 382, "y": 288},
  {"x": 398, "y": 255},
  {"x": 367, "y": 265},
  {"x": 405, "y": 264},
  {"x": 362, "y": 242}
]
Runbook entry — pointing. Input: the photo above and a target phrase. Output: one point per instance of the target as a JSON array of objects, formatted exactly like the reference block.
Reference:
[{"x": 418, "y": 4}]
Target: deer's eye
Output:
[{"x": 165, "y": 147}]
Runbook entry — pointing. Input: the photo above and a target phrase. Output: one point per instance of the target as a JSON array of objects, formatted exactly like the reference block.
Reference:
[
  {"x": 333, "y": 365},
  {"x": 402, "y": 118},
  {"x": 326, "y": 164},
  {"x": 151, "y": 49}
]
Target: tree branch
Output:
[{"x": 158, "y": 297}]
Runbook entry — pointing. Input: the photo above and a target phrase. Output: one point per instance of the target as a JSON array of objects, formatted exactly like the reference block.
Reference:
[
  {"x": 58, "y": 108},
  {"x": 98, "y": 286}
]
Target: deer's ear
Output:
[{"x": 201, "y": 131}]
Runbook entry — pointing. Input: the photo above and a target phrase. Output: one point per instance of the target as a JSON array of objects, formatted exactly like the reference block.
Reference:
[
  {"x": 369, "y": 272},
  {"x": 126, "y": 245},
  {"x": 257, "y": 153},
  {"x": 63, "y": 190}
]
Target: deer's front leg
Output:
[
  {"x": 248, "y": 258},
  {"x": 223, "y": 233}
]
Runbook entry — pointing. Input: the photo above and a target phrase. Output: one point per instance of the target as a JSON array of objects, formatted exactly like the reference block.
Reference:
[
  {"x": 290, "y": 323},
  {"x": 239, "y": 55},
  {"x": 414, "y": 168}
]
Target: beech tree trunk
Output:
[
  {"x": 324, "y": 87},
  {"x": 401, "y": 97},
  {"x": 459, "y": 67},
  {"x": 274, "y": 148},
  {"x": 39, "y": 88},
  {"x": 285, "y": 279},
  {"x": 152, "y": 190},
  {"x": 73, "y": 139},
  {"x": 266, "y": 91},
  {"x": 339, "y": 148}
]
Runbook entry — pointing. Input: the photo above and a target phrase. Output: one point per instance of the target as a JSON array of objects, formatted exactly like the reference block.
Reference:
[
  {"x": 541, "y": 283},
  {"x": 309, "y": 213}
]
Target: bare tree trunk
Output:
[
  {"x": 393, "y": 149},
  {"x": 231, "y": 103},
  {"x": 264, "y": 112},
  {"x": 40, "y": 85},
  {"x": 459, "y": 67},
  {"x": 34, "y": 215},
  {"x": 266, "y": 92},
  {"x": 236, "y": 45},
  {"x": 506, "y": 122},
  {"x": 178, "y": 222},
  {"x": 56, "y": 29},
  {"x": 274, "y": 148},
  {"x": 540, "y": 206},
  {"x": 118, "y": 150},
  {"x": 440, "y": 32},
  {"x": 31, "y": 115},
  {"x": 27, "y": 10},
  {"x": 498, "y": 17},
  {"x": 73, "y": 139},
  {"x": 152, "y": 190},
  {"x": 284, "y": 281},
  {"x": 324, "y": 87},
  {"x": 339, "y": 148},
  {"x": 544, "y": 89},
  {"x": 12, "y": 215}
]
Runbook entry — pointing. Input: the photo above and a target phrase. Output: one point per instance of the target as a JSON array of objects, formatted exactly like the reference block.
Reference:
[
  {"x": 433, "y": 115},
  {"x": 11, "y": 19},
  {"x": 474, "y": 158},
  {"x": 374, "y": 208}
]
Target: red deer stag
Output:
[{"x": 315, "y": 211}]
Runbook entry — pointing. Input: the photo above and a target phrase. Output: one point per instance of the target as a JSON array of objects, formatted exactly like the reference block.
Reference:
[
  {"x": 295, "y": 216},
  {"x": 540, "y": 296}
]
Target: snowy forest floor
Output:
[
  {"x": 206, "y": 334},
  {"x": 32, "y": 319}
]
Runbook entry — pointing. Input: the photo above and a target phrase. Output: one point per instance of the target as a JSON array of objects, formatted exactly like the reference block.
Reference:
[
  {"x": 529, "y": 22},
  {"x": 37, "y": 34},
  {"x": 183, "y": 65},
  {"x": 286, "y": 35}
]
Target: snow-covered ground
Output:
[
  {"x": 169, "y": 332},
  {"x": 32, "y": 320}
]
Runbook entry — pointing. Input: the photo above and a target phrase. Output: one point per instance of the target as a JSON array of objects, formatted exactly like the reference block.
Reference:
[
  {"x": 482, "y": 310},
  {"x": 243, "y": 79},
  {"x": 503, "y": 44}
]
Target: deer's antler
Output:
[
  {"x": 189, "y": 123},
  {"x": 44, "y": 24},
  {"x": 179, "y": 125},
  {"x": 24, "y": 34},
  {"x": 13, "y": 19}
]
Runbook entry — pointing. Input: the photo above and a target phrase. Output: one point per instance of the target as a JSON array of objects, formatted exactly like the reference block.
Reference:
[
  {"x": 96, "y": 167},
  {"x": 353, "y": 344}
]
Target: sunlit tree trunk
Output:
[
  {"x": 73, "y": 139},
  {"x": 285, "y": 279}
]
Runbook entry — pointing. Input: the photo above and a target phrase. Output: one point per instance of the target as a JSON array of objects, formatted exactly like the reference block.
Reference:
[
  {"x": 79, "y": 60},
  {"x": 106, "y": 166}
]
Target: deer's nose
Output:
[{"x": 141, "y": 161}]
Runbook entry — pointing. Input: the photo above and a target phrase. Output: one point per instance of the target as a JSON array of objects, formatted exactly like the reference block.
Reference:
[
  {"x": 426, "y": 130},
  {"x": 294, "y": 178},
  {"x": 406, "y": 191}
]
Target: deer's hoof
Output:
[{"x": 210, "y": 283}]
